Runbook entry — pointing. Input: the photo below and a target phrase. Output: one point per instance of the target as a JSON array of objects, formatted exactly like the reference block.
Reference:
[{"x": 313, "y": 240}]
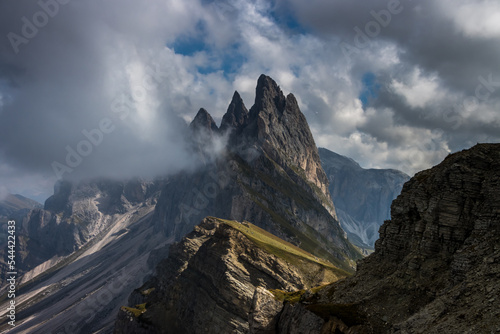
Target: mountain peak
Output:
[
  {"x": 268, "y": 95},
  {"x": 274, "y": 126},
  {"x": 203, "y": 120},
  {"x": 236, "y": 114}
]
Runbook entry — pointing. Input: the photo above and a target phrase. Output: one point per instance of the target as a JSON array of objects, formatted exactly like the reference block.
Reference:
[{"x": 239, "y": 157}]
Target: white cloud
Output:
[
  {"x": 419, "y": 90},
  {"x": 421, "y": 149},
  {"x": 474, "y": 18}
]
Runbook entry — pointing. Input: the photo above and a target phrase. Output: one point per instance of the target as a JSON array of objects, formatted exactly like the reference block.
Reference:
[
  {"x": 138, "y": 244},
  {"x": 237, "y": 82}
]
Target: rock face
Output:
[
  {"x": 80, "y": 257},
  {"x": 269, "y": 173},
  {"x": 215, "y": 276},
  {"x": 436, "y": 266},
  {"x": 278, "y": 126},
  {"x": 13, "y": 207},
  {"x": 74, "y": 215},
  {"x": 362, "y": 197}
]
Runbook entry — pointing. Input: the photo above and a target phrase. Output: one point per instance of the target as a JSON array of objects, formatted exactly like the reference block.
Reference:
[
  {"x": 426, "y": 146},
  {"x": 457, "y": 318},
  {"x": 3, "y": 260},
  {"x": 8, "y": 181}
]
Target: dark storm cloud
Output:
[
  {"x": 444, "y": 40},
  {"x": 66, "y": 73},
  {"x": 424, "y": 31}
]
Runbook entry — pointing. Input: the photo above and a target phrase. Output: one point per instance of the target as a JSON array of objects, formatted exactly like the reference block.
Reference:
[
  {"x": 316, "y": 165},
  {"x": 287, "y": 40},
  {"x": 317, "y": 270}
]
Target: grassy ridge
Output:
[{"x": 283, "y": 249}]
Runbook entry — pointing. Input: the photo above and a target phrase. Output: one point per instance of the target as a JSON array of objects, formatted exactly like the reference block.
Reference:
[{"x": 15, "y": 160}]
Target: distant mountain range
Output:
[
  {"x": 13, "y": 203},
  {"x": 362, "y": 197},
  {"x": 13, "y": 207}
]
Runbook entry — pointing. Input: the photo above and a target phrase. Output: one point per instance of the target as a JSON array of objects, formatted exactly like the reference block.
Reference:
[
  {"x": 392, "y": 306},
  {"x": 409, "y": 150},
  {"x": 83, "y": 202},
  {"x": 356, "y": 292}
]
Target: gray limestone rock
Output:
[{"x": 436, "y": 266}]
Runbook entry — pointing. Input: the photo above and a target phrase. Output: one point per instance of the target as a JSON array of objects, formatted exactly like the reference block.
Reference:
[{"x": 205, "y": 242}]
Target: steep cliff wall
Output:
[{"x": 436, "y": 266}]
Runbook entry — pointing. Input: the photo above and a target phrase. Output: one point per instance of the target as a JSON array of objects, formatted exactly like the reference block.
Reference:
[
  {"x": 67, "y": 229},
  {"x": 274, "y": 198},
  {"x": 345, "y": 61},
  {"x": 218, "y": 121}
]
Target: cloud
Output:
[
  {"x": 144, "y": 69},
  {"x": 475, "y": 19},
  {"x": 419, "y": 91}
]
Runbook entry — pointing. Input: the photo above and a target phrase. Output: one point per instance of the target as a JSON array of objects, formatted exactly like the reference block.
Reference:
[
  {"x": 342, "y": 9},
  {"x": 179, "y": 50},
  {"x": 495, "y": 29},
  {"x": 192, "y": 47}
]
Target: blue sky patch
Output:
[
  {"x": 370, "y": 89},
  {"x": 188, "y": 46},
  {"x": 287, "y": 20}
]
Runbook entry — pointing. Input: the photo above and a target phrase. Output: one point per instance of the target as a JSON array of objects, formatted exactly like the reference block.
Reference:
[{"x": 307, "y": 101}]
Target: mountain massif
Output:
[
  {"x": 249, "y": 240},
  {"x": 270, "y": 173},
  {"x": 95, "y": 241},
  {"x": 362, "y": 197},
  {"x": 435, "y": 269}
]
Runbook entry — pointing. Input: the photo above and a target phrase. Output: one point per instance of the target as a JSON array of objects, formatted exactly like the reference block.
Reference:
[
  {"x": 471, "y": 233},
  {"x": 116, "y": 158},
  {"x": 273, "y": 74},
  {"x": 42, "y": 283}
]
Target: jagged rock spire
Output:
[
  {"x": 274, "y": 126},
  {"x": 268, "y": 96},
  {"x": 236, "y": 114},
  {"x": 281, "y": 130},
  {"x": 203, "y": 120}
]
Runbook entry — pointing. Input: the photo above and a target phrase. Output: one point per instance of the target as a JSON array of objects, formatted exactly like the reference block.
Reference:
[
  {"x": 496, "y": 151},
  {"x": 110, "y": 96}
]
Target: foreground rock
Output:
[
  {"x": 436, "y": 266},
  {"x": 216, "y": 276}
]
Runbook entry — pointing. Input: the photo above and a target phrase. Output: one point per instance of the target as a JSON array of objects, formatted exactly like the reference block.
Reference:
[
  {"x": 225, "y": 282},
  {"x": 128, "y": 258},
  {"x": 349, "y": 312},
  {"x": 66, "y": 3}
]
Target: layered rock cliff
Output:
[
  {"x": 436, "y": 266},
  {"x": 362, "y": 196},
  {"x": 215, "y": 276}
]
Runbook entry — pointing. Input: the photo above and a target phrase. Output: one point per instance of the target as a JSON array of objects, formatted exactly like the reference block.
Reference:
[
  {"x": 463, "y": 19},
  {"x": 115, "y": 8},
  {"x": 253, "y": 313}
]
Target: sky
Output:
[{"x": 104, "y": 88}]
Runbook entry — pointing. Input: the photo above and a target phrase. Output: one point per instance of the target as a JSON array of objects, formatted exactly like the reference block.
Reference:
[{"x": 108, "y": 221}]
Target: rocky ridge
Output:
[
  {"x": 436, "y": 266},
  {"x": 215, "y": 276}
]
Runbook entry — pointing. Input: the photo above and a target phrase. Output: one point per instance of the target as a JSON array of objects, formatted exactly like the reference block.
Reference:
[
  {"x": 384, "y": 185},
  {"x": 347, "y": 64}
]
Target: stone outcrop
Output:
[
  {"x": 216, "y": 276},
  {"x": 436, "y": 266},
  {"x": 263, "y": 315},
  {"x": 362, "y": 196}
]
